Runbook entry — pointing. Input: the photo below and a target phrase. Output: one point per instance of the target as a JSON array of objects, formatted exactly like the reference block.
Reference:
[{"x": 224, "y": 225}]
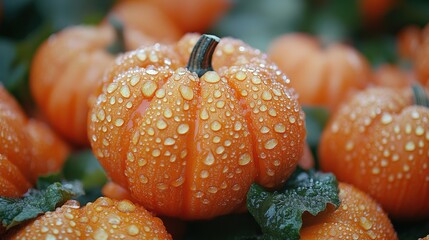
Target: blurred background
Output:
[{"x": 369, "y": 25}]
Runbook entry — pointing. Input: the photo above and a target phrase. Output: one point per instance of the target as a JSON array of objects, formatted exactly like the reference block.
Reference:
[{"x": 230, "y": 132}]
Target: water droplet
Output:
[
  {"x": 266, "y": 95},
  {"x": 386, "y": 118},
  {"x": 204, "y": 115},
  {"x": 240, "y": 76},
  {"x": 244, "y": 159},
  {"x": 236, "y": 187},
  {"x": 215, "y": 126},
  {"x": 141, "y": 56},
  {"x": 419, "y": 130},
  {"x": 161, "y": 124},
  {"x": 186, "y": 92},
  {"x": 237, "y": 126},
  {"x": 349, "y": 145},
  {"x": 119, "y": 122},
  {"x": 272, "y": 112},
  {"x": 243, "y": 93},
  {"x": 279, "y": 128},
  {"x": 220, "y": 104},
  {"x": 216, "y": 139},
  {"x": 264, "y": 129},
  {"x": 133, "y": 230},
  {"x": 220, "y": 150},
  {"x": 156, "y": 153},
  {"x": 212, "y": 190},
  {"x": 182, "y": 128},
  {"x": 270, "y": 144},
  {"x": 115, "y": 220},
  {"x": 415, "y": 115},
  {"x": 101, "y": 115},
  {"x": 100, "y": 234},
  {"x": 204, "y": 174},
  {"x": 148, "y": 89},
  {"x": 292, "y": 119},
  {"x": 169, "y": 142},
  {"x": 410, "y": 146},
  {"x": 209, "y": 160},
  {"x": 161, "y": 186},
  {"x": 160, "y": 93},
  {"x": 126, "y": 206},
  {"x": 365, "y": 223},
  {"x": 375, "y": 170},
  {"x": 168, "y": 113},
  {"x": 211, "y": 77},
  {"x": 256, "y": 80},
  {"x": 178, "y": 182},
  {"x": 112, "y": 87},
  {"x": 125, "y": 91}
]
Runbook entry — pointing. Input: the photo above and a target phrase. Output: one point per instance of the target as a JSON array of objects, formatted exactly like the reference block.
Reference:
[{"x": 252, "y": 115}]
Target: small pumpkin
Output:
[
  {"x": 172, "y": 16},
  {"x": 321, "y": 76},
  {"x": 28, "y": 148},
  {"x": 413, "y": 44},
  {"x": 357, "y": 217},
  {"x": 188, "y": 142},
  {"x": 66, "y": 70},
  {"x": 392, "y": 76},
  {"x": 103, "y": 219},
  {"x": 379, "y": 142}
]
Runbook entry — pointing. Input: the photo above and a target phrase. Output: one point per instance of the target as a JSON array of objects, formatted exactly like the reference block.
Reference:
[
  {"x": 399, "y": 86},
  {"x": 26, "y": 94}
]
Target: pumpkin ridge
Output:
[
  {"x": 189, "y": 169},
  {"x": 251, "y": 129}
]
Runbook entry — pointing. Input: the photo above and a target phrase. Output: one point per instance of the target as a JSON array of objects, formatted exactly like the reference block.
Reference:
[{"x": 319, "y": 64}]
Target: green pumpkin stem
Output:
[
  {"x": 200, "y": 60},
  {"x": 420, "y": 96},
  {"x": 118, "y": 45}
]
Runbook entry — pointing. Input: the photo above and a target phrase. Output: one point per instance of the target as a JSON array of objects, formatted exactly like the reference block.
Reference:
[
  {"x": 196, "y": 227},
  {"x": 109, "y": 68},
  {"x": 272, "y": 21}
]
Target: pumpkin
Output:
[
  {"x": 379, "y": 142},
  {"x": 148, "y": 19},
  {"x": 357, "y": 217},
  {"x": 103, "y": 219},
  {"x": 321, "y": 76},
  {"x": 185, "y": 15},
  {"x": 413, "y": 44},
  {"x": 28, "y": 148},
  {"x": 389, "y": 75},
  {"x": 188, "y": 142},
  {"x": 66, "y": 69}
]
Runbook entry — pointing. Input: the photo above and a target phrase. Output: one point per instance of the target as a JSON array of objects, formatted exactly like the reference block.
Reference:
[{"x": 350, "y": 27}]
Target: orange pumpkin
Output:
[
  {"x": 321, "y": 76},
  {"x": 389, "y": 75},
  {"x": 379, "y": 142},
  {"x": 188, "y": 142},
  {"x": 66, "y": 70},
  {"x": 28, "y": 148},
  {"x": 358, "y": 217},
  {"x": 185, "y": 15},
  {"x": 103, "y": 219},
  {"x": 413, "y": 44}
]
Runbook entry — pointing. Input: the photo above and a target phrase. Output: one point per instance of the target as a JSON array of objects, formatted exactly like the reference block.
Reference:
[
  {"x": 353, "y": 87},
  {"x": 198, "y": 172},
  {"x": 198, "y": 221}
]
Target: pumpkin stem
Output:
[
  {"x": 118, "y": 45},
  {"x": 420, "y": 96},
  {"x": 200, "y": 60}
]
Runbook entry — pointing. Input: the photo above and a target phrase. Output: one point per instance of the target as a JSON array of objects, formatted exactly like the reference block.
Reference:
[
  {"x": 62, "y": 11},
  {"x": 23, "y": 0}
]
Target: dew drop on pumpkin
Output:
[
  {"x": 240, "y": 76},
  {"x": 215, "y": 126},
  {"x": 270, "y": 144},
  {"x": 186, "y": 92},
  {"x": 365, "y": 223},
  {"x": 101, "y": 234},
  {"x": 410, "y": 146},
  {"x": 386, "y": 118},
  {"x": 119, "y": 122},
  {"x": 266, "y": 95},
  {"x": 292, "y": 119},
  {"x": 279, "y": 128},
  {"x": 419, "y": 131},
  {"x": 209, "y": 160},
  {"x": 156, "y": 153},
  {"x": 161, "y": 124},
  {"x": 244, "y": 159},
  {"x": 125, "y": 91},
  {"x": 182, "y": 128},
  {"x": 204, "y": 174},
  {"x": 169, "y": 142},
  {"x": 126, "y": 206},
  {"x": 133, "y": 230},
  {"x": 211, "y": 77},
  {"x": 149, "y": 88},
  {"x": 160, "y": 93},
  {"x": 204, "y": 115}
]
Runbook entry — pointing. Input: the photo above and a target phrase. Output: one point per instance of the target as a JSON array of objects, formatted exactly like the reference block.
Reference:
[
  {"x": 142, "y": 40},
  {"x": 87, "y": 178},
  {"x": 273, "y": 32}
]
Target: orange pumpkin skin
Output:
[
  {"x": 358, "y": 217},
  {"x": 413, "y": 44},
  {"x": 147, "y": 18},
  {"x": 103, "y": 219},
  {"x": 65, "y": 71},
  {"x": 389, "y": 75},
  {"x": 379, "y": 142},
  {"x": 28, "y": 148},
  {"x": 321, "y": 77},
  {"x": 190, "y": 146}
]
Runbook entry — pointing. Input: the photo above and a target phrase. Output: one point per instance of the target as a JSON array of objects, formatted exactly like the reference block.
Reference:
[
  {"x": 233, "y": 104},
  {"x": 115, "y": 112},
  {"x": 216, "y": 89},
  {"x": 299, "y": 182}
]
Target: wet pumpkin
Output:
[
  {"x": 28, "y": 148},
  {"x": 358, "y": 217},
  {"x": 103, "y": 219},
  {"x": 379, "y": 142},
  {"x": 189, "y": 141},
  {"x": 67, "y": 68}
]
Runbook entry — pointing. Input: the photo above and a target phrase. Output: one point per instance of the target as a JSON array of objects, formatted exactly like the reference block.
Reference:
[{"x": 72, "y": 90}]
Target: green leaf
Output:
[
  {"x": 279, "y": 213},
  {"x": 14, "y": 211}
]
